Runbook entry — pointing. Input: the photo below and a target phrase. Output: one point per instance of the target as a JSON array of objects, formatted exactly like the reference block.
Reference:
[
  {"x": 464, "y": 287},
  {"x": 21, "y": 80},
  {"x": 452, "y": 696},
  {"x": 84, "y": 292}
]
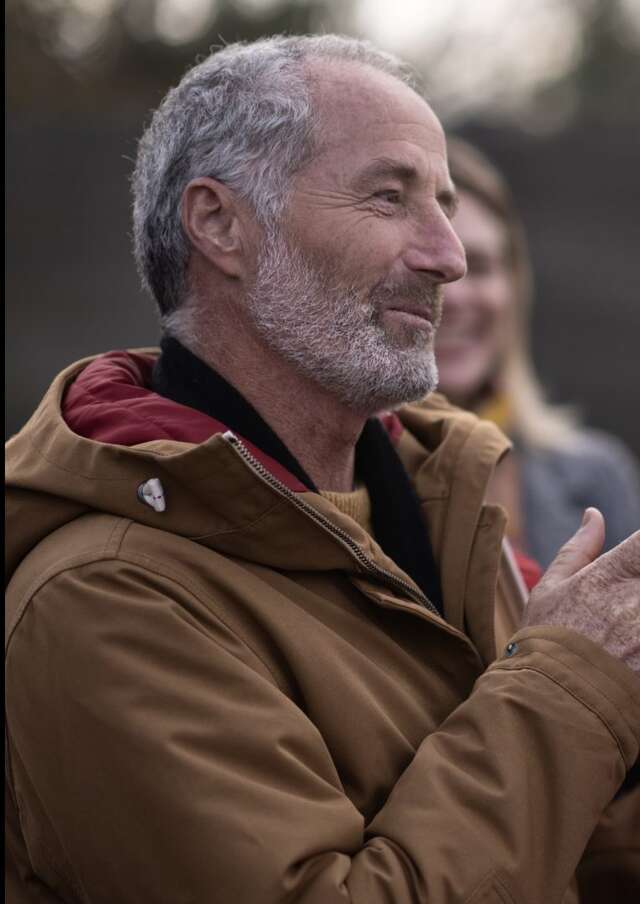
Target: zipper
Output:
[{"x": 363, "y": 560}]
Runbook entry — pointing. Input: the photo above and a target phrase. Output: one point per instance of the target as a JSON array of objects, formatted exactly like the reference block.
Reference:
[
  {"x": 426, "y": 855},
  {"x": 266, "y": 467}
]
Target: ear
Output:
[{"x": 217, "y": 224}]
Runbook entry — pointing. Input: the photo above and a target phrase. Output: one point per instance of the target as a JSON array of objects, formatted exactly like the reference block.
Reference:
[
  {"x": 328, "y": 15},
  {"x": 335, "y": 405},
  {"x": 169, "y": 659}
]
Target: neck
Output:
[{"x": 318, "y": 430}]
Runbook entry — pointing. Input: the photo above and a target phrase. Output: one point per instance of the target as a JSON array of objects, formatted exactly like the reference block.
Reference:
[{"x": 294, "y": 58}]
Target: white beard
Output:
[{"x": 333, "y": 332}]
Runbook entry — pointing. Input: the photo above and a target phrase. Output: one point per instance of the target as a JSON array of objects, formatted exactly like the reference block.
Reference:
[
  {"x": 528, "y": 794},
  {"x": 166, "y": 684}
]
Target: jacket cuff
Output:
[{"x": 602, "y": 683}]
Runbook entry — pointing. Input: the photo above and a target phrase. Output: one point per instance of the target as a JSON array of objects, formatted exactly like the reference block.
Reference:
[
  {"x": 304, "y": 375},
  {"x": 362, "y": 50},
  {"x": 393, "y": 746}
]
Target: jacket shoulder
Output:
[
  {"x": 87, "y": 538},
  {"x": 99, "y": 565}
]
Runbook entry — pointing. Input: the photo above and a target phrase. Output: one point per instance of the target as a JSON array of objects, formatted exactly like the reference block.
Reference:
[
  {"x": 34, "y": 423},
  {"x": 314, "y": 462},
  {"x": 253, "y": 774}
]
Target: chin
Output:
[
  {"x": 411, "y": 387},
  {"x": 459, "y": 387}
]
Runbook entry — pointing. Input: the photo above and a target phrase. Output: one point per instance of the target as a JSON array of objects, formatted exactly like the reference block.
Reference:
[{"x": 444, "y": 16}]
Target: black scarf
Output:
[{"x": 395, "y": 512}]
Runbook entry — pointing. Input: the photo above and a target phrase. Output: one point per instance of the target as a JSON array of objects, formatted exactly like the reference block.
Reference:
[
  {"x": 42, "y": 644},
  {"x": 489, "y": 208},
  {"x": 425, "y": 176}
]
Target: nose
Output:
[{"x": 437, "y": 251}]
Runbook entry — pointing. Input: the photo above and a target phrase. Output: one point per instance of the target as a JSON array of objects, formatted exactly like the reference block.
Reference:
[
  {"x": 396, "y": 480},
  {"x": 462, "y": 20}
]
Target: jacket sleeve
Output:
[
  {"x": 610, "y": 867},
  {"x": 155, "y": 760}
]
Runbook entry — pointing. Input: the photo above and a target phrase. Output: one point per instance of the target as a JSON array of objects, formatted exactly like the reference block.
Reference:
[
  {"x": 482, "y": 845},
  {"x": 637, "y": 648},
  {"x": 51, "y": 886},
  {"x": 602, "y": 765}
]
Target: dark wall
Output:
[
  {"x": 71, "y": 284},
  {"x": 72, "y": 290}
]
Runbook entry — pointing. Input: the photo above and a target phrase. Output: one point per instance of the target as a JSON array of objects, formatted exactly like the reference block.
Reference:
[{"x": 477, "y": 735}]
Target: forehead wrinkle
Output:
[{"x": 370, "y": 130}]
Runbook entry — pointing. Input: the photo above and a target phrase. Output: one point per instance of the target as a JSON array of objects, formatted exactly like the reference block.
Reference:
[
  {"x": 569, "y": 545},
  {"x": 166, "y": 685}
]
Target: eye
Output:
[
  {"x": 390, "y": 195},
  {"x": 482, "y": 263}
]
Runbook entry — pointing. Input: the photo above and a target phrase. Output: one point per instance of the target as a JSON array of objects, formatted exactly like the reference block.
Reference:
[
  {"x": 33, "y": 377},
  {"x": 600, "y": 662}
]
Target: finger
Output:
[{"x": 580, "y": 550}]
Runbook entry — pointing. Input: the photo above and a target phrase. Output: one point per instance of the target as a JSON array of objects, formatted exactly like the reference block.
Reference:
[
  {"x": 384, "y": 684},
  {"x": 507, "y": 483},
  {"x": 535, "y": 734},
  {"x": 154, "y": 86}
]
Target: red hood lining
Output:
[{"x": 111, "y": 402}]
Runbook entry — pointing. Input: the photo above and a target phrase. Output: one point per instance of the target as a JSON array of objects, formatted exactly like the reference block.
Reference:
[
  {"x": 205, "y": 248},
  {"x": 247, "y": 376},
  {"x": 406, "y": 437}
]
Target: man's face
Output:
[{"x": 349, "y": 288}]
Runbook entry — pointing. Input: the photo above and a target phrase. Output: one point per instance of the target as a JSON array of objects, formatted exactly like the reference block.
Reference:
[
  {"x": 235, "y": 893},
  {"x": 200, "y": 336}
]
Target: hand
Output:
[{"x": 595, "y": 596}]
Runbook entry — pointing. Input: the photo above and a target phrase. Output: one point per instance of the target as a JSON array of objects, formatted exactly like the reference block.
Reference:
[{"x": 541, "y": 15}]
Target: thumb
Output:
[{"x": 585, "y": 545}]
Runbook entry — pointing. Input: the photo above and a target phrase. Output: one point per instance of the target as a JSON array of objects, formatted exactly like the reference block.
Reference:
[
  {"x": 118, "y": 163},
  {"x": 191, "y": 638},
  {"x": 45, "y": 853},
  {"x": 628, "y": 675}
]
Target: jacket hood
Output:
[{"x": 100, "y": 434}]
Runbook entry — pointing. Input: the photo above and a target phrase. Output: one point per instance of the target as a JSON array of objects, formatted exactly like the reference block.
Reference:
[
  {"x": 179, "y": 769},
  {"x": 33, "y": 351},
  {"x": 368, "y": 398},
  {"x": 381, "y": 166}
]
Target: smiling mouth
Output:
[{"x": 459, "y": 337}]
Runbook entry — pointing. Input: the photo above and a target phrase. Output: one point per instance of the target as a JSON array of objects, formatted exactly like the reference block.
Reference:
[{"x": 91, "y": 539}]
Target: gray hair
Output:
[{"x": 243, "y": 116}]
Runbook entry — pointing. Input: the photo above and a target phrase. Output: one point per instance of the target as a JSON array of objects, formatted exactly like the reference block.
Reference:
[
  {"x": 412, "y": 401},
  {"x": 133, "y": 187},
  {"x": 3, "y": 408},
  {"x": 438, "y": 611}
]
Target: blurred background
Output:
[{"x": 548, "y": 88}]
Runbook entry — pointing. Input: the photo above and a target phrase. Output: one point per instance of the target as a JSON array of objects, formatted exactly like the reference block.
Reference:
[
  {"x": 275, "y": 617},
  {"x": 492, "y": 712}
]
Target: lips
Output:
[{"x": 460, "y": 335}]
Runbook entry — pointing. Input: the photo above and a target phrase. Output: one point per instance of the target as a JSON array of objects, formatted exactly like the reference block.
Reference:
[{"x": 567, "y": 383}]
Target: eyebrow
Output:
[{"x": 388, "y": 167}]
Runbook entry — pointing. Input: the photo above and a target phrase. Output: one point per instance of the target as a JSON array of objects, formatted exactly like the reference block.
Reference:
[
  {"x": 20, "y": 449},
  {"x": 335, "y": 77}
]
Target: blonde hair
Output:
[{"x": 532, "y": 419}]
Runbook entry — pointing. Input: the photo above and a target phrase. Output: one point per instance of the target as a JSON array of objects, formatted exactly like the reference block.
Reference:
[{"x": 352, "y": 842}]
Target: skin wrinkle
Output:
[
  {"x": 371, "y": 183},
  {"x": 405, "y": 174}
]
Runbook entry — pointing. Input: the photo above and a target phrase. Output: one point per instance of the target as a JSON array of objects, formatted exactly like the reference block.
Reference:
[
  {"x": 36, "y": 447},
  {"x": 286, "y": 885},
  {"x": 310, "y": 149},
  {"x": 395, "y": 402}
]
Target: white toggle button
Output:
[{"x": 152, "y": 493}]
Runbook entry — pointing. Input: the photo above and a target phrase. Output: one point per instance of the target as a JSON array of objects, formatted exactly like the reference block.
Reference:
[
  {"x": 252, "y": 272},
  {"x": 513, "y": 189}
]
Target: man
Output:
[{"x": 252, "y": 622}]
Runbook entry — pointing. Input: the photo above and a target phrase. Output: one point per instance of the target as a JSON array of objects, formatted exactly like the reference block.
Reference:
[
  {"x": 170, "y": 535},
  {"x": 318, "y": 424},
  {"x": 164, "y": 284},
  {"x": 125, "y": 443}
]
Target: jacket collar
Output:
[
  {"x": 73, "y": 458},
  {"x": 398, "y": 525}
]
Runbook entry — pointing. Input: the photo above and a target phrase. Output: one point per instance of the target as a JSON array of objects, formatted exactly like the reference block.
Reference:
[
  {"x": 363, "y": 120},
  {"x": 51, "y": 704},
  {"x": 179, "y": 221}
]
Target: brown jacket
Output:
[{"x": 241, "y": 699}]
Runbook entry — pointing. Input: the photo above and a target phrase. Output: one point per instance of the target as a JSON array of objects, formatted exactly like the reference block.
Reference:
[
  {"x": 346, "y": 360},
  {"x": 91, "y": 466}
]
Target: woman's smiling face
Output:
[{"x": 475, "y": 326}]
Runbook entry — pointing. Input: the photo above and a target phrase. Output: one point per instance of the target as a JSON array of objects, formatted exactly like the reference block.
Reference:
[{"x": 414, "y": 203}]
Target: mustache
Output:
[{"x": 418, "y": 291}]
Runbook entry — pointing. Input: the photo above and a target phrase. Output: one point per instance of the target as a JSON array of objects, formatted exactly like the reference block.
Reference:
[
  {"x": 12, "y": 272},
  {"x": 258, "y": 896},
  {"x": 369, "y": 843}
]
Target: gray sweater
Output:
[{"x": 559, "y": 484}]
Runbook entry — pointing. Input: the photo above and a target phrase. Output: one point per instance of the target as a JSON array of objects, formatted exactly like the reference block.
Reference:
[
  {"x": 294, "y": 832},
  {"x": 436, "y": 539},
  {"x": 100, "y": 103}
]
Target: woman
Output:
[{"x": 482, "y": 347}]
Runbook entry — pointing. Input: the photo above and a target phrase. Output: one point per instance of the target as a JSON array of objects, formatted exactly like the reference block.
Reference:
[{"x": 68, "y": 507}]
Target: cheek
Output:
[
  {"x": 493, "y": 309},
  {"x": 374, "y": 247},
  {"x": 497, "y": 295},
  {"x": 366, "y": 251},
  {"x": 476, "y": 332}
]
